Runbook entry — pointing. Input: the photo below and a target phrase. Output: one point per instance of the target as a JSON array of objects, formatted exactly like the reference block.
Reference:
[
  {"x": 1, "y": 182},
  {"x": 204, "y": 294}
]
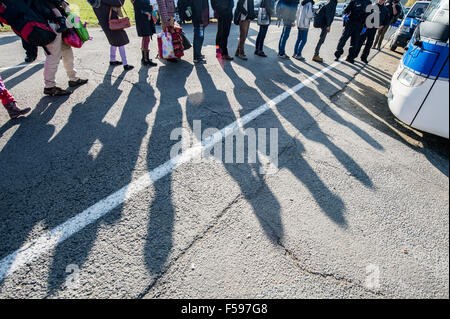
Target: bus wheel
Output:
[{"x": 393, "y": 45}]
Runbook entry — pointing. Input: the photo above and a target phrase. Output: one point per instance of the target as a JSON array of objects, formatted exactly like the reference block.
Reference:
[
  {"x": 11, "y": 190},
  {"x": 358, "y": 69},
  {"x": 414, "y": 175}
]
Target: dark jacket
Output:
[
  {"x": 200, "y": 12},
  {"x": 384, "y": 16},
  {"x": 330, "y": 11},
  {"x": 249, "y": 11},
  {"x": 115, "y": 38},
  {"x": 144, "y": 27},
  {"x": 393, "y": 18},
  {"x": 269, "y": 6},
  {"x": 287, "y": 11},
  {"x": 356, "y": 11},
  {"x": 223, "y": 8}
]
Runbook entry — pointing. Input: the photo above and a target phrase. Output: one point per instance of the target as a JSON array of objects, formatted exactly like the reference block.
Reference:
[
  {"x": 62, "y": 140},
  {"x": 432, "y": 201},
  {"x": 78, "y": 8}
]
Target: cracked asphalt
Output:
[{"x": 357, "y": 193}]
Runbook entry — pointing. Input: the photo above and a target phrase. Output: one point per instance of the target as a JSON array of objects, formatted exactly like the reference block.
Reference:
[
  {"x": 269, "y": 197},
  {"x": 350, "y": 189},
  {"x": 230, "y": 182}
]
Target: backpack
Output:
[
  {"x": 185, "y": 9},
  {"x": 26, "y": 23},
  {"x": 319, "y": 17}
]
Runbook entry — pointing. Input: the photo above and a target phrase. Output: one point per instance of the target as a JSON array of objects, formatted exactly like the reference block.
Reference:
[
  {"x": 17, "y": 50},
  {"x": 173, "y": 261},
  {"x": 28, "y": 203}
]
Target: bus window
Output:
[{"x": 437, "y": 12}]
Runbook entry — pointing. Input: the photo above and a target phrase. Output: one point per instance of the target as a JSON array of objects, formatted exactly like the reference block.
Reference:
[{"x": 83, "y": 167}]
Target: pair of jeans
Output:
[
  {"x": 223, "y": 32},
  {"x": 199, "y": 37},
  {"x": 322, "y": 37},
  {"x": 301, "y": 41},
  {"x": 283, "y": 39},
  {"x": 352, "y": 31},
  {"x": 259, "y": 45}
]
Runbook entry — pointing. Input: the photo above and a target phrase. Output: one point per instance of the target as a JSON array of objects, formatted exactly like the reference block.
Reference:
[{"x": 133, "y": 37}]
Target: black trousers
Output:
[
  {"x": 223, "y": 31},
  {"x": 352, "y": 31},
  {"x": 259, "y": 45},
  {"x": 31, "y": 50},
  {"x": 369, "y": 37}
]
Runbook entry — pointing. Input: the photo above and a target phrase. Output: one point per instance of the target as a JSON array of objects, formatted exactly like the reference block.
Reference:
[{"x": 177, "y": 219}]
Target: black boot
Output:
[{"x": 146, "y": 59}]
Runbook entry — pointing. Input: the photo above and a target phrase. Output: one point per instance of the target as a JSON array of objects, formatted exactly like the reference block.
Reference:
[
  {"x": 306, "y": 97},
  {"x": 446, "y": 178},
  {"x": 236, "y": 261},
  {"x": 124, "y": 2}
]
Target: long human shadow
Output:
[
  {"x": 301, "y": 119},
  {"x": 54, "y": 175},
  {"x": 171, "y": 83},
  {"x": 8, "y": 39},
  {"x": 112, "y": 167},
  {"x": 215, "y": 112},
  {"x": 10, "y": 83},
  {"x": 291, "y": 147}
]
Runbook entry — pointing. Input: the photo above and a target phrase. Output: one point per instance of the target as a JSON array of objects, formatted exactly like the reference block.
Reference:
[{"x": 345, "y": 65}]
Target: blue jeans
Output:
[
  {"x": 199, "y": 37},
  {"x": 301, "y": 41},
  {"x": 283, "y": 40}
]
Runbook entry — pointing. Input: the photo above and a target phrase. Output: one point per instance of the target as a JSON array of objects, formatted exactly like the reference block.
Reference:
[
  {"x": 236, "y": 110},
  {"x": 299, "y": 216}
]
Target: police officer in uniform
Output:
[
  {"x": 356, "y": 12},
  {"x": 378, "y": 18}
]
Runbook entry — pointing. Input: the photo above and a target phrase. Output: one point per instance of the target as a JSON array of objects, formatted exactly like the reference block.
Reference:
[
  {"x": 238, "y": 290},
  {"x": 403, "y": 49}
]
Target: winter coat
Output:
[
  {"x": 287, "y": 10},
  {"x": 268, "y": 5},
  {"x": 115, "y": 38},
  {"x": 384, "y": 16},
  {"x": 356, "y": 11},
  {"x": 200, "y": 12},
  {"x": 248, "y": 11},
  {"x": 166, "y": 9},
  {"x": 223, "y": 8},
  {"x": 305, "y": 14},
  {"x": 330, "y": 11},
  {"x": 144, "y": 27}
]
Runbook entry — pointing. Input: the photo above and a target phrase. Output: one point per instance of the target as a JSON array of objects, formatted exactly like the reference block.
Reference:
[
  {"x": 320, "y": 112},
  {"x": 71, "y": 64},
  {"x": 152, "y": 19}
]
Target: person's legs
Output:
[
  {"x": 52, "y": 62},
  {"x": 343, "y": 40},
  {"x": 5, "y": 96},
  {"x": 354, "y": 42},
  {"x": 68, "y": 61},
  {"x": 198, "y": 42},
  {"x": 370, "y": 36},
  {"x": 112, "y": 54},
  {"x": 356, "y": 48},
  {"x": 283, "y": 39},
  {"x": 243, "y": 27},
  {"x": 226, "y": 27},
  {"x": 145, "y": 43},
  {"x": 219, "y": 35},
  {"x": 380, "y": 36},
  {"x": 297, "y": 43},
  {"x": 304, "y": 38},
  {"x": 322, "y": 37},
  {"x": 261, "y": 37},
  {"x": 9, "y": 102},
  {"x": 123, "y": 56},
  {"x": 31, "y": 51}
]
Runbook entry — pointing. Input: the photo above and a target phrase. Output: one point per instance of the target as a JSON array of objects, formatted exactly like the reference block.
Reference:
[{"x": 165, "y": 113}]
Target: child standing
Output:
[
  {"x": 145, "y": 27},
  {"x": 9, "y": 103}
]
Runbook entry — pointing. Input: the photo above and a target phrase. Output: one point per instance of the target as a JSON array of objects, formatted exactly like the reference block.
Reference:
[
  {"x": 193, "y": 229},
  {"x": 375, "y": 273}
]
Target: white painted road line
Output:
[
  {"x": 36, "y": 248},
  {"x": 21, "y": 66}
]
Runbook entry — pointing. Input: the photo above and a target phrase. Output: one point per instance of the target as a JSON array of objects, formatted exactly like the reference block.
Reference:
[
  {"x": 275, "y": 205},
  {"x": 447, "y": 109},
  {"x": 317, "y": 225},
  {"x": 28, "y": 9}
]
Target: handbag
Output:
[
  {"x": 165, "y": 46},
  {"x": 186, "y": 43},
  {"x": 70, "y": 37},
  {"x": 263, "y": 17},
  {"x": 119, "y": 23}
]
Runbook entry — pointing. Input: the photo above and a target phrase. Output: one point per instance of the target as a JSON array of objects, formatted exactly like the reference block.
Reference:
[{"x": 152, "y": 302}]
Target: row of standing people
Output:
[{"x": 290, "y": 12}]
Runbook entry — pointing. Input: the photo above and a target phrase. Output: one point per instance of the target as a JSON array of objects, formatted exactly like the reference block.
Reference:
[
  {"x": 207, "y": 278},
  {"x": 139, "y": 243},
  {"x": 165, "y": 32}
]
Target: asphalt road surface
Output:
[{"x": 358, "y": 206}]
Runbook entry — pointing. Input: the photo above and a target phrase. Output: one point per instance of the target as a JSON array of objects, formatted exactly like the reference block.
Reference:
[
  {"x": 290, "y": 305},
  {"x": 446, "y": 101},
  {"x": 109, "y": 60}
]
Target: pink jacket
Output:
[{"x": 166, "y": 9}]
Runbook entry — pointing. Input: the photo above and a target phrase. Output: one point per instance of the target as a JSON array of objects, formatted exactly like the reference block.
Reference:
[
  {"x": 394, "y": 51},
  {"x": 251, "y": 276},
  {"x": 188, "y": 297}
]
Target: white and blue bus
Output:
[{"x": 419, "y": 93}]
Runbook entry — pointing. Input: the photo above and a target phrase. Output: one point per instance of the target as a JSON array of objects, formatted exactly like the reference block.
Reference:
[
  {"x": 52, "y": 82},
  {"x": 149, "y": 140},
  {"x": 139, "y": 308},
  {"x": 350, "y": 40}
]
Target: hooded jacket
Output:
[{"x": 305, "y": 14}]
